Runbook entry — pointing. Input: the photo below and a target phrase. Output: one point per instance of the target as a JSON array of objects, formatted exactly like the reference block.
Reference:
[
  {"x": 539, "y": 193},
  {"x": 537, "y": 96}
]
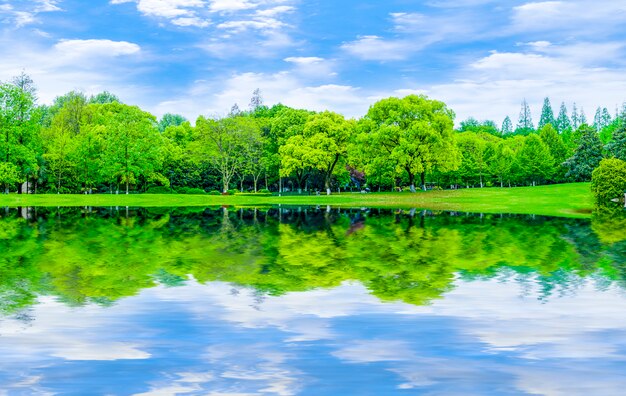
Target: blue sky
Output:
[{"x": 194, "y": 57}]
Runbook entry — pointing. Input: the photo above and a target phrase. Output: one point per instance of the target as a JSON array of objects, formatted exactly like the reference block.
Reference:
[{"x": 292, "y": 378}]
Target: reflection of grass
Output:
[{"x": 567, "y": 200}]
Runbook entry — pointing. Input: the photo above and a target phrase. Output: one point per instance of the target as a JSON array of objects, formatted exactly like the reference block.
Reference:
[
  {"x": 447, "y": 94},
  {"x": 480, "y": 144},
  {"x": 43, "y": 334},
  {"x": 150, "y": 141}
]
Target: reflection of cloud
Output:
[{"x": 481, "y": 336}]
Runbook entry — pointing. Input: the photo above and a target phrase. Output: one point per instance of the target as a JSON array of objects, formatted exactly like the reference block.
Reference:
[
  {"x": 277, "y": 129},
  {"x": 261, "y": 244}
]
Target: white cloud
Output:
[
  {"x": 304, "y": 60},
  {"x": 96, "y": 48},
  {"x": 26, "y": 13},
  {"x": 377, "y": 48},
  {"x": 231, "y": 5}
]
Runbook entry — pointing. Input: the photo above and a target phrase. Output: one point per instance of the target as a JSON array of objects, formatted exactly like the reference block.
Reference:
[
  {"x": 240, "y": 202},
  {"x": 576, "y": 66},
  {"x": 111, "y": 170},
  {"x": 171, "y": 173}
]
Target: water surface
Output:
[{"x": 309, "y": 301}]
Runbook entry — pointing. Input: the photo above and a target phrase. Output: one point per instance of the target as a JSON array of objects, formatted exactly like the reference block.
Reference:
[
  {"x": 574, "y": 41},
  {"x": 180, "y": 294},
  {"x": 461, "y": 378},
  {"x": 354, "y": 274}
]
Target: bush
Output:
[
  {"x": 159, "y": 190},
  {"x": 232, "y": 192},
  {"x": 192, "y": 191},
  {"x": 259, "y": 194},
  {"x": 265, "y": 191},
  {"x": 608, "y": 181},
  {"x": 215, "y": 192}
]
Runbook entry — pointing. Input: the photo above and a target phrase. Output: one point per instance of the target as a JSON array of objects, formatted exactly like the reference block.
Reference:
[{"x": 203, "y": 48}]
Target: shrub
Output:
[
  {"x": 265, "y": 191},
  {"x": 259, "y": 194},
  {"x": 159, "y": 190},
  {"x": 215, "y": 192},
  {"x": 193, "y": 191},
  {"x": 608, "y": 181}
]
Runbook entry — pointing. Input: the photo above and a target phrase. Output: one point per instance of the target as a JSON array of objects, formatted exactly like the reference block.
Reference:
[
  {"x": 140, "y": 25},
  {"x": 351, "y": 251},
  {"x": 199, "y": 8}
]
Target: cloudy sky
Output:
[{"x": 194, "y": 57}]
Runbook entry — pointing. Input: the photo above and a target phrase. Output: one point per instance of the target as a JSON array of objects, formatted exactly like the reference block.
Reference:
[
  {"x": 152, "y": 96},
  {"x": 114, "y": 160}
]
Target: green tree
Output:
[
  {"x": 617, "y": 146},
  {"x": 608, "y": 181},
  {"x": 563, "y": 122},
  {"x": 507, "y": 126},
  {"x": 104, "y": 98},
  {"x": 221, "y": 143},
  {"x": 169, "y": 119},
  {"x": 414, "y": 133},
  {"x": 535, "y": 160},
  {"x": 502, "y": 161},
  {"x": 525, "y": 124},
  {"x": 547, "y": 115},
  {"x": 557, "y": 148},
  {"x": 576, "y": 121},
  {"x": 587, "y": 156},
  {"x": 132, "y": 146},
  {"x": 323, "y": 145}
]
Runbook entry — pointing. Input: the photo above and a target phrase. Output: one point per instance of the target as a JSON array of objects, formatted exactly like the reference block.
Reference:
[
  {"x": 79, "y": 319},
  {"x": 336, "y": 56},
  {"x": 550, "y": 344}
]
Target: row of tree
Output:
[{"x": 98, "y": 144}]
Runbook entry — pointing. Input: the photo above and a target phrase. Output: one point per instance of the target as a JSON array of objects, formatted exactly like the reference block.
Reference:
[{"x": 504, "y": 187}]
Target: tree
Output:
[
  {"x": 221, "y": 142},
  {"x": 525, "y": 124},
  {"x": 587, "y": 156},
  {"x": 535, "y": 160},
  {"x": 323, "y": 145},
  {"x": 19, "y": 131},
  {"x": 547, "y": 115},
  {"x": 502, "y": 161},
  {"x": 104, "y": 98},
  {"x": 557, "y": 149},
  {"x": 414, "y": 133},
  {"x": 507, "y": 126},
  {"x": 608, "y": 181},
  {"x": 575, "y": 118},
  {"x": 256, "y": 101},
  {"x": 9, "y": 175},
  {"x": 169, "y": 120},
  {"x": 132, "y": 145},
  {"x": 473, "y": 150},
  {"x": 563, "y": 122},
  {"x": 617, "y": 146}
]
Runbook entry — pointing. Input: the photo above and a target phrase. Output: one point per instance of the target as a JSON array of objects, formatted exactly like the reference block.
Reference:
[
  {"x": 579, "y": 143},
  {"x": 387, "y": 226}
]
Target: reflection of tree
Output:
[{"x": 101, "y": 255}]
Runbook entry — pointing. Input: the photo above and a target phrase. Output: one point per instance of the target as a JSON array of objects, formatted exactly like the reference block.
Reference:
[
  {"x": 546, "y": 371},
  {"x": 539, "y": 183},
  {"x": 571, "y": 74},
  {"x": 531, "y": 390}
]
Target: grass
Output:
[{"x": 564, "y": 200}]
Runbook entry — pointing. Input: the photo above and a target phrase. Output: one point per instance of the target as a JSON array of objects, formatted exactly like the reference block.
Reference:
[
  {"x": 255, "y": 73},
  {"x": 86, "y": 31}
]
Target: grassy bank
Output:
[{"x": 567, "y": 200}]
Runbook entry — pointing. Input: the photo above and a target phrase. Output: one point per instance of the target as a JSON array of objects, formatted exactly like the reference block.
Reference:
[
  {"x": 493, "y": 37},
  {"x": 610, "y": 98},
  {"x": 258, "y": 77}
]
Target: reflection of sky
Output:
[{"x": 482, "y": 338}]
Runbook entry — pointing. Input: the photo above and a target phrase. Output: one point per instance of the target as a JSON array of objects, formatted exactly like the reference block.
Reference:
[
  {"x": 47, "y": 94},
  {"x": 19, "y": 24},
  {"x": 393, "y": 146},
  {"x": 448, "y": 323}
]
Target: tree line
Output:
[{"x": 98, "y": 144}]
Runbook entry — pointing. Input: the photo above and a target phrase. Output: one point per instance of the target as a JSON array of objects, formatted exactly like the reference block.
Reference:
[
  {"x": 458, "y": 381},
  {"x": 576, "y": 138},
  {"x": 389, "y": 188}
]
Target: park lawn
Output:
[{"x": 564, "y": 200}]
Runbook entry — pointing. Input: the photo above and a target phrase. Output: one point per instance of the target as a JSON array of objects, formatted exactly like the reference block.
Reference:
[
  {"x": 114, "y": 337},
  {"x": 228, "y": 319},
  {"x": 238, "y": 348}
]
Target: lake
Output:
[{"x": 309, "y": 301}]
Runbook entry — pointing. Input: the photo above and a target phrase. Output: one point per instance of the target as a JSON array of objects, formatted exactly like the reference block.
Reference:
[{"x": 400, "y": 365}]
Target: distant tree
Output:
[
  {"x": 502, "y": 162},
  {"x": 507, "y": 126},
  {"x": 104, "y": 98},
  {"x": 473, "y": 125},
  {"x": 597, "y": 120},
  {"x": 547, "y": 114},
  {"x": 257, "y": 100},
  {"x": 575, "y": 117},
  {"x": 535, "y": 160},
  {"x": 617, "y": 147},
  {"x": 563, "y": 122},
  {"x": 525, "y": 124},
  {"x": 558, "y": 149},
  {"x": 235, "y": 110},
  {"x": 587, "y": 156},
  {"x": 169, "y": 120},
  {"x": 582, "y": 118}
]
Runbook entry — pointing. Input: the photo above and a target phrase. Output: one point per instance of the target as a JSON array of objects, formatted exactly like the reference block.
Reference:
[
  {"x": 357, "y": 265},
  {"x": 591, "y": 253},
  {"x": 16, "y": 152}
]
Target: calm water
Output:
[{"x": 305, "y": 301}]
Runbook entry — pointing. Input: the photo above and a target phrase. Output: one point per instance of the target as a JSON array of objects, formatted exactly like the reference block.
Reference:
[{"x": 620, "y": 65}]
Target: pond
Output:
[{"x": 309, "y": 301}]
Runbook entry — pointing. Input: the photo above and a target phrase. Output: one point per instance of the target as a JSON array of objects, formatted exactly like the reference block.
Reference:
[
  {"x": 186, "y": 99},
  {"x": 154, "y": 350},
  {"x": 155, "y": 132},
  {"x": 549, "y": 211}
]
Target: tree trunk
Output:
[
  {"x": 327, "y": 185},
  {"x": 255, "y": 183},
  {"x": 126, "y": 186},
  {"x": 19, "y": 188},
  {"x": 411, "y": 180},
  {"x": 423, "y": 180}
]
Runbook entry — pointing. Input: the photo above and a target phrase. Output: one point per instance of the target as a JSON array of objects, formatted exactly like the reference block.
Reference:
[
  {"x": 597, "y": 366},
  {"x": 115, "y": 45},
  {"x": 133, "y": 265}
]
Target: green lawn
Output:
[{"x": 566, "y": 200}]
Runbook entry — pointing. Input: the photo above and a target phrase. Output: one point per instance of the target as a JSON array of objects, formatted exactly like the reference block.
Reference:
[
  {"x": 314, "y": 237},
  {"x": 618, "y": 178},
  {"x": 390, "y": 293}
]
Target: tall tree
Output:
[
  {"x": 323, "y": 145},
  {"x": 525, "y": 124},
  {"x": 575, "y": 117},
  {"x": 563, "y": 122},
  {"x": 257, "y": 100},
  {"x": 415, "y": 133},
  {"x": 547, "y": 114},
  {"x": 104, "y": 97},
  {"x": 170, "y": 119},
  {"x": 535, "y": 160},
  {"x": 617, "y": 146},
  {"x": 507, "y": 126},
  {"x": 221, "y": 143},
  {"x": 550, "y": 137},
  {"x": 587, "y": 156},
  {"x": 132, "y": 145}
]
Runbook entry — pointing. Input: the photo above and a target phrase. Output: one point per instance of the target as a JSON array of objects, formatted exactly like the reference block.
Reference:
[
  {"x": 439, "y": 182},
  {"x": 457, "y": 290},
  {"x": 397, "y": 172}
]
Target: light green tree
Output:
[{"x": 414, "y": 133}]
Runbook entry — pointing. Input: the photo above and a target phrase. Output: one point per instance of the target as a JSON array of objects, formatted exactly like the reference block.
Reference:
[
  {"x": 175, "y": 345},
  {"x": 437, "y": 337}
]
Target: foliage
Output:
[
  {"x": 587, "y": 156},
  {"x": 608, "y": 181}
]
